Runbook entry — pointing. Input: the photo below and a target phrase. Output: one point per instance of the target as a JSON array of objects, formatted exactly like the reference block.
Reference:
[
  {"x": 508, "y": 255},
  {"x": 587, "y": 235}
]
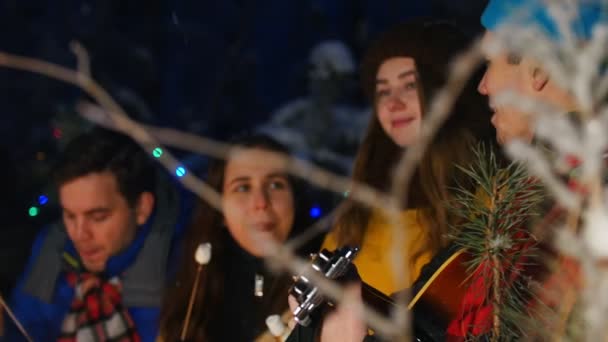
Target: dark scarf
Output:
[{"x": 243, "y": 315}]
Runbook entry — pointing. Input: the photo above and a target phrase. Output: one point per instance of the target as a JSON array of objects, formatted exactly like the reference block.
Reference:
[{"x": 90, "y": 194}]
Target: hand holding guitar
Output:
[{"x": 346, "y": 322}]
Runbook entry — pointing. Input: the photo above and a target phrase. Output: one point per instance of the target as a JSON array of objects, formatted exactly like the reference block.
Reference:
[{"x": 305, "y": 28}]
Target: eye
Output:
[
  {"x": 277, "y": 184},
  {"x": 411, "y": 85},
  {"x": 99, "y": 217},
  {"x": 380, "y": 93},
  {"x": 242, "y": 188}
]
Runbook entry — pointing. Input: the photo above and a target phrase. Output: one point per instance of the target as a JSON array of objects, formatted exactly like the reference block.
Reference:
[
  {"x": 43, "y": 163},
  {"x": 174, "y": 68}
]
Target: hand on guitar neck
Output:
[{"x": 345, "y": 323}]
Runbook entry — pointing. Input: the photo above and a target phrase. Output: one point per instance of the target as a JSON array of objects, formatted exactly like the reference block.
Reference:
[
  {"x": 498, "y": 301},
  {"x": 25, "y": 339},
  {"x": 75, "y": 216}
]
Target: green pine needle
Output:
[{"x": 492, "y": 225}]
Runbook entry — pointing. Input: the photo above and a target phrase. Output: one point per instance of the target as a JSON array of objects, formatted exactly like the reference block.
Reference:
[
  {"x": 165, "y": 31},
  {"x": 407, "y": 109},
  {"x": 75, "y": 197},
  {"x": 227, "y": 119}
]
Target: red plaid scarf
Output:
[{"x": 97, "y": 312}]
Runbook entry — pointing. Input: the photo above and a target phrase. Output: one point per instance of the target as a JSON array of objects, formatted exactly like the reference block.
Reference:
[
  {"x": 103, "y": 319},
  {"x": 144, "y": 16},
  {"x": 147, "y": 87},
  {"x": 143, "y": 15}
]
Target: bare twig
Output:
[
  {"x": 116, "y": 118},
  {"x": 14, "y": 319}
]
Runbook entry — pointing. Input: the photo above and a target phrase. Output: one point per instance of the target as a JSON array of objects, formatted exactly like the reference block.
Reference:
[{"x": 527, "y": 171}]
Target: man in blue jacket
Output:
[{"x": 99, "y": 274}]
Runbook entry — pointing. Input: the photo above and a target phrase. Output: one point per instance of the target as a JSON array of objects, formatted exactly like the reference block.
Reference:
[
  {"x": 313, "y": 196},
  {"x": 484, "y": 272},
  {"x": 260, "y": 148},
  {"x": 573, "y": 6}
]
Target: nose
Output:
[
  {"x": 82, "y": 231},
  {"x": 494, "y": 120},
  {"x": 482, "y": 87},
  {"x": 396, "y": 103},
  {"x": 261, "y": 199}
]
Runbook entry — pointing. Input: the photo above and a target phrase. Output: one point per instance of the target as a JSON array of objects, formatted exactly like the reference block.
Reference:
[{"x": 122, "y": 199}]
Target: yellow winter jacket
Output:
[{"x": 374, "y": 259}]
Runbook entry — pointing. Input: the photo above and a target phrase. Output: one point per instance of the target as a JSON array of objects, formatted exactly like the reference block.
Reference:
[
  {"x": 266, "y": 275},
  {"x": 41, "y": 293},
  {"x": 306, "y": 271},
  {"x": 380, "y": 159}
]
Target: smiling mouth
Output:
[
  {"x": 264, "y": 226},
  {"x": 402, "y": 122}
]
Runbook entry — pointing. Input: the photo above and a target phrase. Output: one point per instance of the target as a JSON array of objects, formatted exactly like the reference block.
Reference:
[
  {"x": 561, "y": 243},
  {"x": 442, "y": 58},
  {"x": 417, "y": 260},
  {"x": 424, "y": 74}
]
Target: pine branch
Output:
[{"x": 492, "y": 230}]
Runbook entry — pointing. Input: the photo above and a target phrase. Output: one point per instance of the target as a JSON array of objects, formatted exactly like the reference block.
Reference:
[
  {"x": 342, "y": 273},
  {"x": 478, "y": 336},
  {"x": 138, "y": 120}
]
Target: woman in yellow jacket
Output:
[{"x": 399, "y": 73}]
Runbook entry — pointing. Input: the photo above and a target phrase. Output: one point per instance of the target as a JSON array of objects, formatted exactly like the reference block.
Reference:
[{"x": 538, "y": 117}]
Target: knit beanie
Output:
[{"x": 536, "y": 14}]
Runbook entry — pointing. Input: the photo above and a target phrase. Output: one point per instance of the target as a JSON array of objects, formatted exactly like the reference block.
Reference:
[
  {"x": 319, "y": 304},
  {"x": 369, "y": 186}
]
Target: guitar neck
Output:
[{"x": 376, "y": 299}]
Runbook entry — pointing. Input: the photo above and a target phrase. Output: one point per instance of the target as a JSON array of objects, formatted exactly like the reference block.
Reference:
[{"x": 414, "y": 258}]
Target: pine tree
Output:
[{"x": 493, "y": 230}]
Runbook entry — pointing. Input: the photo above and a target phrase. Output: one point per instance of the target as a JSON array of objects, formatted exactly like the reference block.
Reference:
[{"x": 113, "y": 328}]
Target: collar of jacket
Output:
[{"x": 143, "y": 266}]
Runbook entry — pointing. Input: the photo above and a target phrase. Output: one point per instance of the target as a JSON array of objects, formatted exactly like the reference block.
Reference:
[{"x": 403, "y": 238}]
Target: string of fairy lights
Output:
[{"x": 157, "y": 152}]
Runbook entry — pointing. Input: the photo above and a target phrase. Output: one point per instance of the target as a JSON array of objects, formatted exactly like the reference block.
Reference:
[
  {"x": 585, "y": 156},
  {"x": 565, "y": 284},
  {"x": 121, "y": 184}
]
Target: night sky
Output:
[{"x": 213, "y": 67}]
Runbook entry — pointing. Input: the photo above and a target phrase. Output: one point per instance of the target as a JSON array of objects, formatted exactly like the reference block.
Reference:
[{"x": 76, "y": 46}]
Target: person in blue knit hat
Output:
[
  {"x": 529, "y": 76},
  {"x": 523, "y": 74}
]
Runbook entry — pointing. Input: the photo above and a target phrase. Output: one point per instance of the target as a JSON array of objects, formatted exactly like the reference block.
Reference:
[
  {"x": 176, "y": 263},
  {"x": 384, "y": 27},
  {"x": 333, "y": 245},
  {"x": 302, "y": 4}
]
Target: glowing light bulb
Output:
[
  {"x": 315, "y": 212},
  {"x": 43, "y": 199},
  {"x": 157, "y": 152},
  {"x": 180, "y": 171},
  {"x": 33, "y": 211}
]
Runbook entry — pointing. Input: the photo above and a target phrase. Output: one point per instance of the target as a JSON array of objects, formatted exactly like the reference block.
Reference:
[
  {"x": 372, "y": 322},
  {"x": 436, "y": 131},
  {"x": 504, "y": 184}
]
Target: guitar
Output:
[{"x": 435, "y": 302}]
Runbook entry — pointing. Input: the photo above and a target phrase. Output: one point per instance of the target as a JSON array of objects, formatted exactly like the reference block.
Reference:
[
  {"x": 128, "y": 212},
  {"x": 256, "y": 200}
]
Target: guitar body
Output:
[
  {"x": 437, "y": 294},
  {"x": 439, "y": 299},
  {"x": 436, "y": 299},
  {"x": 446, "y": 288}
]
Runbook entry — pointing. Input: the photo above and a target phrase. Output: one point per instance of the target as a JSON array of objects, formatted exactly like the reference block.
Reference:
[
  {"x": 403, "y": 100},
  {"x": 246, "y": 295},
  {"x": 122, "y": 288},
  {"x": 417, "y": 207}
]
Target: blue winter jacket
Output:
[{"x": 42, "y": 296}]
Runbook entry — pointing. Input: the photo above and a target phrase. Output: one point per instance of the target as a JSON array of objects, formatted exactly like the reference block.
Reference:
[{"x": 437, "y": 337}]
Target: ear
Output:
[
  {"x": 144, "y": 207},
  {"x": 540, "y": 78}
]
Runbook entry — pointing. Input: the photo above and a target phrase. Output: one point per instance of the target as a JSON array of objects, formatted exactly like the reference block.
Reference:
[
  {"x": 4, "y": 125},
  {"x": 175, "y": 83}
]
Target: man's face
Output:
[
  {"x": 97, "y": 217},
  {"x": 502, "y": 75}
]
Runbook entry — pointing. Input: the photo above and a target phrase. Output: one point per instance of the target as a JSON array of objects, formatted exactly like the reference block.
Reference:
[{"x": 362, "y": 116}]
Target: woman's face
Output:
[
  {"x": 257, "y": 199},
  {"x": 397, "y": 101}
]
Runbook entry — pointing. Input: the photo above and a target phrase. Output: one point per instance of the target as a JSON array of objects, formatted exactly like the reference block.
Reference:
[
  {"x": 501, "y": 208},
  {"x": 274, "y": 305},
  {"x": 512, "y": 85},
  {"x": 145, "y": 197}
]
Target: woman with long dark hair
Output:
[
  {"x": 236, "y": 293},
  {"x": 400, "y": 73}
]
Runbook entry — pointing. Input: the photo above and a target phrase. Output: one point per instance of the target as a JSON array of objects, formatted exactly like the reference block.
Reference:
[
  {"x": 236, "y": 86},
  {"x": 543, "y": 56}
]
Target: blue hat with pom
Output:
[{"x": 535, "y": 14}]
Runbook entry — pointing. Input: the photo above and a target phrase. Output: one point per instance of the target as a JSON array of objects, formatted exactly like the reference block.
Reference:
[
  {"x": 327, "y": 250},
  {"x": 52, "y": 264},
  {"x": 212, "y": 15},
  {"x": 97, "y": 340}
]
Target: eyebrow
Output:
[
  {"x": 89, "y": 212},
  {"x": 277, "y": 175},
  {"x": 96, "y": 211},
  {"x": 401, "y": 76},
  {"x": 238, "y": 179},
  {"x": 246, "y": 178}
]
